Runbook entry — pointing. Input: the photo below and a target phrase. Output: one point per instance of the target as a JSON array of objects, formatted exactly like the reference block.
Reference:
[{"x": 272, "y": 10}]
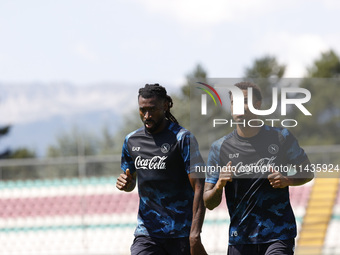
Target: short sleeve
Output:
[
  {"x": 126, "y": 160},
  {"x": 190, "y": 153},
  {"x": 294, "y": 153}
]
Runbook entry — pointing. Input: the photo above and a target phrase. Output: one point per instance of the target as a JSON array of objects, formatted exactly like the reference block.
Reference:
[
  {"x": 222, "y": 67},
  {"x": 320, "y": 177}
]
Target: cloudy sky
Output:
[
  {"x": 137, "y": 41},
  {"x": 45, "y": 44}
]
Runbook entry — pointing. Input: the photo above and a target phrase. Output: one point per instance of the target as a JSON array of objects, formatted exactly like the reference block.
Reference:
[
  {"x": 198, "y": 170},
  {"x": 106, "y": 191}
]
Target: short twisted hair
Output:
[{"x": 155, "y": 90}]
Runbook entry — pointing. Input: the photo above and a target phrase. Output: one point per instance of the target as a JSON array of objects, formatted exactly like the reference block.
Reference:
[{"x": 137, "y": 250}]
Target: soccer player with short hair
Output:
[
  {"x": 163, "y": 155},
  {"x": 261, "y": 217}
]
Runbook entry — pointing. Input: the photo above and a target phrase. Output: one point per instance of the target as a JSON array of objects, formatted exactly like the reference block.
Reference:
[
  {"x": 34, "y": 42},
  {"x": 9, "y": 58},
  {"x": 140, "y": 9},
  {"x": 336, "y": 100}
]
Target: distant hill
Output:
[{"x": 39, "y": 112}]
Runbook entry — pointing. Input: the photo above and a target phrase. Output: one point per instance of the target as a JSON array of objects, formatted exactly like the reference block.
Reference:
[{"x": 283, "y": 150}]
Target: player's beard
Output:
[{"x": 155, "y": 125}]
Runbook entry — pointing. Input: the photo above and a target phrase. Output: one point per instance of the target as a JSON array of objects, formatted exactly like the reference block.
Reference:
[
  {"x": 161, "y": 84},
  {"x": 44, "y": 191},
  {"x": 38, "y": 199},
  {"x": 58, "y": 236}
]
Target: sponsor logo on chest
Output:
[
  {"x": 154, "y": 163},
  {"x": 261, "y": 166}
]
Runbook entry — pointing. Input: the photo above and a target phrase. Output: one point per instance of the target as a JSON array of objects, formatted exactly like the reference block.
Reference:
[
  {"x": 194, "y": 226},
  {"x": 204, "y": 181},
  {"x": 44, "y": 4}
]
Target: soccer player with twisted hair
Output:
[{"x": 163, "y": 156}]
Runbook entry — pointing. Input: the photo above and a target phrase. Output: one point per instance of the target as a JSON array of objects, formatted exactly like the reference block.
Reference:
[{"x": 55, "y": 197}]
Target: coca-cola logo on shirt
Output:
[
  {"x": 157, "y": 162},
  {"x": 262, "y": 165}
]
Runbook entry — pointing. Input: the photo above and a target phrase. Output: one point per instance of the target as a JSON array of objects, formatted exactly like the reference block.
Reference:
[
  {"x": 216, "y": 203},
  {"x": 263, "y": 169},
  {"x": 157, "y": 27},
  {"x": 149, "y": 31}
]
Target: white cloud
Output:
[
  {"x": 27, "y": 104},
  {"x": 191, "y": 11},
  {"x": 297, "y": 51},
  {"x": 332, "y": 4},
  {"x": 201, "y": 12},
  {"x": 85, "y": 52}
]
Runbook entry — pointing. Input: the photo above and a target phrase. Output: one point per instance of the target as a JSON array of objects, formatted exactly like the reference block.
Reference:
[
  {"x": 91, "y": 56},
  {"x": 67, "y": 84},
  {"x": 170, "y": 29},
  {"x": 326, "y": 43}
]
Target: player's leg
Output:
[
  {"x": 177, "y": 246},
  {"x": 145, "y": 245},
  {"x": 280, "y": 247}
]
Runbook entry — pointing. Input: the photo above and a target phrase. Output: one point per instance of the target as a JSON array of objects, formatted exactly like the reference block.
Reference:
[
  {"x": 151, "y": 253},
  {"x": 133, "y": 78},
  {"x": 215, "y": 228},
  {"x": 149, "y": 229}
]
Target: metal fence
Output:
[{"x": 107, "y": 232}]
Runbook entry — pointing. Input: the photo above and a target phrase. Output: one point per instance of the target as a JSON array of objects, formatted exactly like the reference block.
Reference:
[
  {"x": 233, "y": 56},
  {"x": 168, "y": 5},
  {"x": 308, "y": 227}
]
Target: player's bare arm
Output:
[
  {"x": 196, "y": 247},
  {"x": 277, "y": 180},
  {"x": 126, "y": 181},
  {"x": 213, "y": 192}
]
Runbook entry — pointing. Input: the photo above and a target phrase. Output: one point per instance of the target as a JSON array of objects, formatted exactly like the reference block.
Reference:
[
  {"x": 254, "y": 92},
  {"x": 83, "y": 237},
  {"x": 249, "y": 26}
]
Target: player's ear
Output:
[{"x": 166, "y": 105}]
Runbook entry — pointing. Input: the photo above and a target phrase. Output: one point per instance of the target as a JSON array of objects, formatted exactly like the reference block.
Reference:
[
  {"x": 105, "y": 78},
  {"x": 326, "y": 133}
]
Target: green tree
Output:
[
  {"x": 16, "y": 153},
  {"x": 21, "y": 172},
  {"x": 131, "y": 122},
  {"x": 323, "y": 83},
  {"x": 74, "y": 143},
  {"x": 327, "y": 66},
  {"x": 265, "y": 67},
  {"x": 106, "y": 142},
  {"x": 182, "y": 101},
  {"x": 22, "y": 153},
  {"x": 80, "y": 143},
  {"x": 17, "y": 172},
  {"x": 198, "y": 74},
  {"x": 4, "y": 131},
  {"x": 202, "y": 125},
  {"x": 267, "y": 73}
]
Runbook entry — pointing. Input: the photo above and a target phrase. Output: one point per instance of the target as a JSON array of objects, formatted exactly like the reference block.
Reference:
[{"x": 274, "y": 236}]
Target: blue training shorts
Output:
[{"x": 146, "y": 245}]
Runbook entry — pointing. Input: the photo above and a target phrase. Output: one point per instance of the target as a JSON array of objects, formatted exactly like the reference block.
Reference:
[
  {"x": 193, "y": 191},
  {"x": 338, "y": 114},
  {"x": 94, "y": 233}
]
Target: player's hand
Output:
[
  {"x": 226, "y": 175},
  {"x": 277, "y": 180},
  {"x": 124, "y": 180},
  {"x": 196, "y": 246}
]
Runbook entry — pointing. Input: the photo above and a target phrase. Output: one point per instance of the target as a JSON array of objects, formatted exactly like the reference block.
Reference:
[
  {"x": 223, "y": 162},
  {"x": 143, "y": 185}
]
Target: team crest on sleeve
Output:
[
  {"x": 273, "y": 149},
  {"x": 165, "y": 148}
]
